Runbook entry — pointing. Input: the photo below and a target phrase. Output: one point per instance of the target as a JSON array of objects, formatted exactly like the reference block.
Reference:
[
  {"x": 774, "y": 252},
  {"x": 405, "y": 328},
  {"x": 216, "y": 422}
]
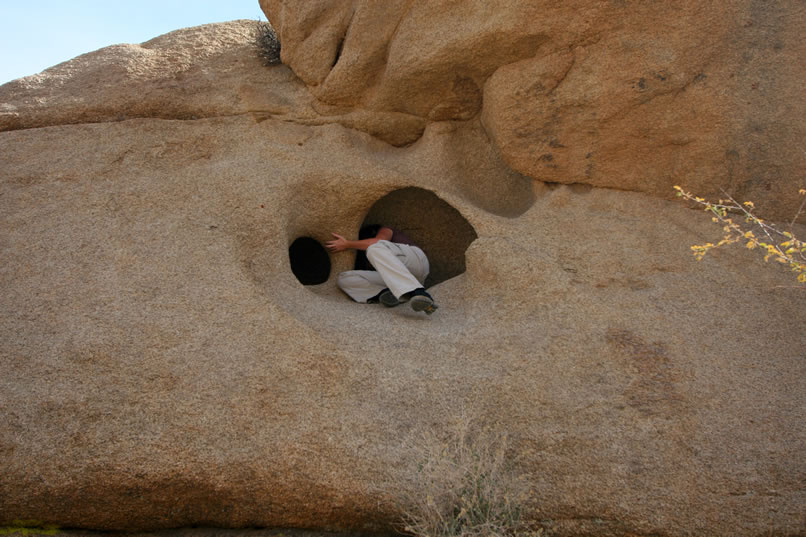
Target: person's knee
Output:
[
  {"x": 345, "y": 280},
  {"x": 374, "y": 249}
]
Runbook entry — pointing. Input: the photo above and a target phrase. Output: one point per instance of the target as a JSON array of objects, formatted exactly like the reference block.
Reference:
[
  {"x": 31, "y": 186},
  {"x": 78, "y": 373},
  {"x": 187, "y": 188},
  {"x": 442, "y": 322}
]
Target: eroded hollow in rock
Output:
[
  {"x": 432, "y": 223},
  {"x": 309, "y": 261}
]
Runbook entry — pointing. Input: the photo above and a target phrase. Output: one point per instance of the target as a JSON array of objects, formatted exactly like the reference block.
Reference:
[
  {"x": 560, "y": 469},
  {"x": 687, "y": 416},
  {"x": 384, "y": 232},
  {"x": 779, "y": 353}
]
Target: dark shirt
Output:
[{"x": 401, "y": 238}]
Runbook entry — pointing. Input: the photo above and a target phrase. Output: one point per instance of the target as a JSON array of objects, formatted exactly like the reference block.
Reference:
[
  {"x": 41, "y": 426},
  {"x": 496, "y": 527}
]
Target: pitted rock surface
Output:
[{"x": 161, "y": 366}]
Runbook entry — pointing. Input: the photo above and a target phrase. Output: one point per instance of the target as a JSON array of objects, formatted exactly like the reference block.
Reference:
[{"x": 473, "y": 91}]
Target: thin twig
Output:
[
  {"x": 754, "y": 218},
  {"x": 800, "y": 210}
]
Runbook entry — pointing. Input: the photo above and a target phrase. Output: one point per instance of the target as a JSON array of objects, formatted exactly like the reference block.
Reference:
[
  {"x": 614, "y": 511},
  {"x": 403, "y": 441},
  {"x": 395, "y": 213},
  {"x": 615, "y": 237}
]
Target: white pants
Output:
[{"x": 400, "y": 267}]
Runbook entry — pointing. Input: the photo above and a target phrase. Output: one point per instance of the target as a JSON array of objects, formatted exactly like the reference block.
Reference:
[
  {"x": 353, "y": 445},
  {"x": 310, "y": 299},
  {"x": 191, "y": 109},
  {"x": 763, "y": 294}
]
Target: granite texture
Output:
[{"x": 161, "y": 366}]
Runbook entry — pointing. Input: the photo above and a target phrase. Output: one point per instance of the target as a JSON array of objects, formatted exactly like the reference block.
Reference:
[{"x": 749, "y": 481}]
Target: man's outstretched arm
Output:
[{"x": 340, "y": 243}]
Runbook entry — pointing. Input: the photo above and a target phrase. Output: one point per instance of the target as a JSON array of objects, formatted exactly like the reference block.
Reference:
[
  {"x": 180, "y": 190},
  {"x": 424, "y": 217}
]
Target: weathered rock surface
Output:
[
  {"x": 188, "y": 74},
  {"x": 625, "y": 94},
  {"x": 161, "y": 366}
]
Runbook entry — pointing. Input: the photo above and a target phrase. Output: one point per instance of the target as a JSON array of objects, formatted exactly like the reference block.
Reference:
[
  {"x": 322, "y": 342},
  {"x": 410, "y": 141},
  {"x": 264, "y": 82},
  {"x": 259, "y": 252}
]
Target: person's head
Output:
[{"x": 369, "y": 231}]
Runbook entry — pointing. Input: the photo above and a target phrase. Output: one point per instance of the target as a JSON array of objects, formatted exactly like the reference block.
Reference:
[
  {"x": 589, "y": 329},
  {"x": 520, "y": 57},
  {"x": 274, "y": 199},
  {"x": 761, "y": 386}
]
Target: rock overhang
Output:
[{"x": 613, "y": 95}]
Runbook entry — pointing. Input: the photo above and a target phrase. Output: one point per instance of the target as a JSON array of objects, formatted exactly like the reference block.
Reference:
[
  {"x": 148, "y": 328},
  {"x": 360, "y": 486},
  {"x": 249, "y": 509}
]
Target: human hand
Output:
[{"x": 338, "y": 244}]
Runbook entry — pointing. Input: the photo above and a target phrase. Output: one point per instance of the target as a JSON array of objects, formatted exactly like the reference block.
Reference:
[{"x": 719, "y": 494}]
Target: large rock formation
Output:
[
  {"x": 161, "y": 366},
  {"x": 622, "y": 94}
]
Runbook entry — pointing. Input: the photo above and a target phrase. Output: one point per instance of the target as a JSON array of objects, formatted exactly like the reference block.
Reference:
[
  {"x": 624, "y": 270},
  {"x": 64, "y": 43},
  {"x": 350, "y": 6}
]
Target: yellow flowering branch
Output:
[{"x": 782, "y": 246}]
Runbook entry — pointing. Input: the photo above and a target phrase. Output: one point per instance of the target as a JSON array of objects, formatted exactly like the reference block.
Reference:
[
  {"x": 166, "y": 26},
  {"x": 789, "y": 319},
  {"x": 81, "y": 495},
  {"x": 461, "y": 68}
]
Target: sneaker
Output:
[
  {"x": 422, "y": 301},
  {"x": 389, "y": 300}
]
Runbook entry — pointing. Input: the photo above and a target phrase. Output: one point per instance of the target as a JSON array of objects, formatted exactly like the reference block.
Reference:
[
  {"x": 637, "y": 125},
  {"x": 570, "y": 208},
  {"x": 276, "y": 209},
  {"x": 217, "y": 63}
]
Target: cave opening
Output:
[
  {"x": 425, "y": 218},
  {"x": 431, "y": 223}
]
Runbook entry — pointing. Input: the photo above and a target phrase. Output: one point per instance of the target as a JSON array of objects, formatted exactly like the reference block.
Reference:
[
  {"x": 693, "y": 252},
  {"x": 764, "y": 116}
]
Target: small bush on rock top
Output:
[
  {"x": 268, "y": 45},
  {"x": 465, "y": 486},
  {"x": 755, "y": 233}
]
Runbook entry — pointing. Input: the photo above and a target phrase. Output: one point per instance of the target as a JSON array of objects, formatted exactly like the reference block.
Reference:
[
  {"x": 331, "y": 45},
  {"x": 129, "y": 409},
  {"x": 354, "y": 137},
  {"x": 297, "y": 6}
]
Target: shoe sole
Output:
[
  {"x": 423, "y": 303},
  {"x": 389, "y": 300}
]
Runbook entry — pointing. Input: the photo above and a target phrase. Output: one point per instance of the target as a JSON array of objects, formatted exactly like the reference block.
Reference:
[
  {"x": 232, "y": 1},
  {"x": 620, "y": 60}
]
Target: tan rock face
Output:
[
  {"x": 626, "y": 95},
  {"x": 161, "y": 366},
  {"x": 187, "y": 74}
]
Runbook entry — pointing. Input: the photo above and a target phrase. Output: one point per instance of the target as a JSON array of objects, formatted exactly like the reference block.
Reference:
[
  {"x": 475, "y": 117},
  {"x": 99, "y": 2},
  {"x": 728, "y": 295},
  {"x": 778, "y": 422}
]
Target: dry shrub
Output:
[
  {"x": 465, "y": 485},
  {"x": 268, "y": 45},
  {"x": 755, "y": 233}
]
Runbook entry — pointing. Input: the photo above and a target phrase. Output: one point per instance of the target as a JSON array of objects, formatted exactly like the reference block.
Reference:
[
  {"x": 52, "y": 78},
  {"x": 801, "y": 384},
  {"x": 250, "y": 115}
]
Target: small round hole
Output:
[{"x": 310, "y": 262}]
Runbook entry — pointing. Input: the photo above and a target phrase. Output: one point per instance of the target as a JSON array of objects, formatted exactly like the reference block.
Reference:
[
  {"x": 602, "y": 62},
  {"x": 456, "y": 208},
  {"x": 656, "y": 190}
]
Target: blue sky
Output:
[{"x": 37, "y": 34}]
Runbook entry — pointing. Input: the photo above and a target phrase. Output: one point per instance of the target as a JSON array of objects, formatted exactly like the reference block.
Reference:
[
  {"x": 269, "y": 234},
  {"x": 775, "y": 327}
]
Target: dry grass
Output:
[{"x": 465, "y": 486}]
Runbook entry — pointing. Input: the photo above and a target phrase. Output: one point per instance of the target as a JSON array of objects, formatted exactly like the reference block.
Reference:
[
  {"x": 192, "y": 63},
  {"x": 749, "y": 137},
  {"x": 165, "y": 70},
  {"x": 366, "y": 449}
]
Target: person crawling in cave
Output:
[{"x": 389, "y": 269}]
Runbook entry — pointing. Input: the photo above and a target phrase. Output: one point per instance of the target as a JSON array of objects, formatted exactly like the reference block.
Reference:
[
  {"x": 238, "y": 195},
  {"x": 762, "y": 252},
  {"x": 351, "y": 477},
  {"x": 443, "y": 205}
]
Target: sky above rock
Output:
[{"x": 37, "y": 35}]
